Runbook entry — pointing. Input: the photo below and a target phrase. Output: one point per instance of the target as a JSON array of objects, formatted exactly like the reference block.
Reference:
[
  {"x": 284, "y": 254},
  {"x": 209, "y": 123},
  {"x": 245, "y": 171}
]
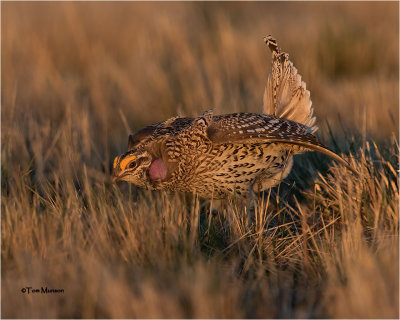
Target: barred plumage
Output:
[{"x": 227, "y": 155}]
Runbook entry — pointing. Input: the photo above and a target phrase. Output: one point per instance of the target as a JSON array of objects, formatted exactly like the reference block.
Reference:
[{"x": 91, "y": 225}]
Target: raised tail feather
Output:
[{"x": 286, "y": 95}]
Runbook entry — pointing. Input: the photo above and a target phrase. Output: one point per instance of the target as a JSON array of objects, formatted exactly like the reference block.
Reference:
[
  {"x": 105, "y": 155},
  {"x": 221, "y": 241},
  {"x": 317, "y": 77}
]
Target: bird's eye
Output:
[{"x": 132, "y": 165}]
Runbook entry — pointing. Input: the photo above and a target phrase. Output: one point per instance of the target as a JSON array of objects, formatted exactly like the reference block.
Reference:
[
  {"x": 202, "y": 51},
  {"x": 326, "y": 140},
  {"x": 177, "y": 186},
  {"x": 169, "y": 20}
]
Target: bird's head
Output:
[{"x": 133, "y": 167}]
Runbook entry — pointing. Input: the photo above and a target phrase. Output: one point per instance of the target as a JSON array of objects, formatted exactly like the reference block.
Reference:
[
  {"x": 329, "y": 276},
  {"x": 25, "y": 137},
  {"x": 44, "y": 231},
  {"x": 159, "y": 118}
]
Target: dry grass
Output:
[{"x": 78, "y": 77}]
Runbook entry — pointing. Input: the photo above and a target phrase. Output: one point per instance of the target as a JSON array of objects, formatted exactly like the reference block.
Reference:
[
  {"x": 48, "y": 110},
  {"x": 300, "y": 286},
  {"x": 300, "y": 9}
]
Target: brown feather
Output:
[{"x": 285, "y": 95}]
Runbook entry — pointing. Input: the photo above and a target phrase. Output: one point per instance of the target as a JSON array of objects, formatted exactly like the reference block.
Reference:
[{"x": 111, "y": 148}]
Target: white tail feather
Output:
[{"x": 286, "y": 95}]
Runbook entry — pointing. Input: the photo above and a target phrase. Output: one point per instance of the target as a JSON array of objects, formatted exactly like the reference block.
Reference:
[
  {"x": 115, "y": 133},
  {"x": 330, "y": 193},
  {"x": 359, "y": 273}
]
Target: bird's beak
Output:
[{"x": 114, "y": 178}]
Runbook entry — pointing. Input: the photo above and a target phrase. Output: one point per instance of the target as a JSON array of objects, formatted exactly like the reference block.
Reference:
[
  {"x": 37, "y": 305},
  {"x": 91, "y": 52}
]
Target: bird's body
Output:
[
  {"x": 220, "y": 156},
  {"x": 212, "y": 170}
]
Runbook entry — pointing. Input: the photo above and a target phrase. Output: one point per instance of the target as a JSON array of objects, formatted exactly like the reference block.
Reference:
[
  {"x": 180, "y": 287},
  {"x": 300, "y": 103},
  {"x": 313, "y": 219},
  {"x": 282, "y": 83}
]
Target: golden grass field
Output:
[{"x": 77, "y": 78}]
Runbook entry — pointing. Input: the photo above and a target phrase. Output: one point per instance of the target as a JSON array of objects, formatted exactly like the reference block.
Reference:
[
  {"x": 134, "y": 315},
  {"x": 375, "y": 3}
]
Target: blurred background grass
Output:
[{"x": 77, "y": 78}]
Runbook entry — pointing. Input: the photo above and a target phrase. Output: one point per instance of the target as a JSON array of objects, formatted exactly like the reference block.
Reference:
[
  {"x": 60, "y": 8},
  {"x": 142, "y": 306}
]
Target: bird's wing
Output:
[
  {"x": 285, "y": 95},
  {"x": 261, "y": 128}
]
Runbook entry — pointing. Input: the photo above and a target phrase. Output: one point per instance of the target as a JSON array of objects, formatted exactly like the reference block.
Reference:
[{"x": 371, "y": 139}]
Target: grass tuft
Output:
[{"x": 78, "y": 77}]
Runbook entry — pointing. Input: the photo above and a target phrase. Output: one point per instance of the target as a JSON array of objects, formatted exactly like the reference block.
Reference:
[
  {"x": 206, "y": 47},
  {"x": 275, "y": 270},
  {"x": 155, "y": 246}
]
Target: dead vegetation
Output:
[{"x": 78, "y": 77}]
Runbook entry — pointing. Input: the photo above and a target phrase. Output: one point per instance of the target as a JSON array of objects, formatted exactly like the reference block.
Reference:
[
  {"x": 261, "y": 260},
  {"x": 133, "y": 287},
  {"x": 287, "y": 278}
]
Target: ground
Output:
[{"x": 77, "y": 78}]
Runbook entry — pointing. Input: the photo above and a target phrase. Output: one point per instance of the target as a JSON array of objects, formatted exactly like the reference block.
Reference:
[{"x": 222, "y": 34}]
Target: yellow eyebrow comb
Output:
[{"x": 125, "y": 161}]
